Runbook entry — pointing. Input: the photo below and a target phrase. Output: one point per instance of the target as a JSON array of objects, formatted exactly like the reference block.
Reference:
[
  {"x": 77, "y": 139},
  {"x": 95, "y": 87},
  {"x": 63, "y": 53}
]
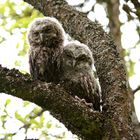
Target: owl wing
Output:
[
  {"x": 32, "y": 64},
  {"x": 37, "y": 61},
  {"x": 88, "y": 87},
  {"x": 91, "y": 92}
]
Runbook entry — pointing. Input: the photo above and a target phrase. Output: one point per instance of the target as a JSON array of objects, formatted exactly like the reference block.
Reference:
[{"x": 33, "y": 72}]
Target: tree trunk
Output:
[{"x": 115, "y": 122}]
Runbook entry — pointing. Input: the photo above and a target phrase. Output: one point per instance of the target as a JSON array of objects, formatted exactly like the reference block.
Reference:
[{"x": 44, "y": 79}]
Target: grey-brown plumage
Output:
[
  {"x": 78, "y": 74},
  {"x": 46, "y": 38}
]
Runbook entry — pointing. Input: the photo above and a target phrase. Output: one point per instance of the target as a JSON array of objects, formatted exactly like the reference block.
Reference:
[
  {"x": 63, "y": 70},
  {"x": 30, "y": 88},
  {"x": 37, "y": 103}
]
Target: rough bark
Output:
[
  {"x": 114, "y": 22},
  {"x": 76, "y": 116},
  {"x": 117, "y": 101}
]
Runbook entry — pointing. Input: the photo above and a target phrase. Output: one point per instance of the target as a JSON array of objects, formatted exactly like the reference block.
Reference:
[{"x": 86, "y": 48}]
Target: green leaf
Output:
[
  {"x": 36, "y": 110},
  {"x": 20, "y": 118},
  {"x": 3, "y": 118},
  {"x": 26, "y": 103},
  {"x": 17, "y": 63},
  {"x": 131, "y": 68},
  {"x": 49, "y": 124},
  {"x": 42, "y": 118},
  {"x": 7, "y": 102},
  {"x": 33, "y": 121}
]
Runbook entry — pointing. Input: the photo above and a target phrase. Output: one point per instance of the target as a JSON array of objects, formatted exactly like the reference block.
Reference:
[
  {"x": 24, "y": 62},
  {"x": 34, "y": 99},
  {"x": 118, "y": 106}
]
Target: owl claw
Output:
[{"x": 83, "y": 101}]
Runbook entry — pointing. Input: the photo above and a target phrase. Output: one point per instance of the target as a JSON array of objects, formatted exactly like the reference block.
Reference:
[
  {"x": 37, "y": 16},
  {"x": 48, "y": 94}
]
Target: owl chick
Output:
[
  {"x": 46, "y": 38},
  {"x": 78, "y": 73}
]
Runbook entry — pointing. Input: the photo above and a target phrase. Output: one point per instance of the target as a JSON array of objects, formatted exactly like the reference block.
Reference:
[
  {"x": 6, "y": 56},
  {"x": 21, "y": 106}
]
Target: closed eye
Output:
[
  {"x": 69, "y": 54},
  {"x": 36, "y": 33},
  {"x": 82, "y": 57},
  {"x": 47, "y": 30}
]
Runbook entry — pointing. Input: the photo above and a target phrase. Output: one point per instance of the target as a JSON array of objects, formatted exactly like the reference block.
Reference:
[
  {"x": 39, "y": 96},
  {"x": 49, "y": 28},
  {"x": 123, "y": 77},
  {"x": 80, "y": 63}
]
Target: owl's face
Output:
[
  {"x": 77, "y": 58},
  {"x": 45, "y": 31}
]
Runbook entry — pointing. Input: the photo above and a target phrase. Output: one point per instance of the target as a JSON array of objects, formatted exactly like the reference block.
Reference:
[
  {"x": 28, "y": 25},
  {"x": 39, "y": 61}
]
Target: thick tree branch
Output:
[
  {"x": 77, "y": 117},
  {"x": 118, "y": 105}
]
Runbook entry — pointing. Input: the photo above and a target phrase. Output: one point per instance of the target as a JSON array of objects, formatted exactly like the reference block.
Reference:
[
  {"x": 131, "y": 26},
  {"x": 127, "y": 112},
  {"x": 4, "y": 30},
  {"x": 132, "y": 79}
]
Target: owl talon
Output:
[
  {"x": 80, "y": 100},
  {"x": 83, "y": 101}
]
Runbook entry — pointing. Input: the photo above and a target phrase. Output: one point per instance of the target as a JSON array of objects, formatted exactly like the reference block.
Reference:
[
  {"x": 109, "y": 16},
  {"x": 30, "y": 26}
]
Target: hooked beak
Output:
[
  {"x": 73, "y": 63},
  {"x": 52, "y": 36},
  {"x": 41, "y": 37}
]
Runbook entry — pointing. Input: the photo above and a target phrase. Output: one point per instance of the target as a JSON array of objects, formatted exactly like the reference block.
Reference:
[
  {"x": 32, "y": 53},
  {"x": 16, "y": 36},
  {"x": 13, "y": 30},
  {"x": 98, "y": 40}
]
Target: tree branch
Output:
[
  {"x": 137, "y": 89},
  {"x": 117, "y": 104},
  {"x": 77, "y": 117},
  {"x": 137, "y": 7}
]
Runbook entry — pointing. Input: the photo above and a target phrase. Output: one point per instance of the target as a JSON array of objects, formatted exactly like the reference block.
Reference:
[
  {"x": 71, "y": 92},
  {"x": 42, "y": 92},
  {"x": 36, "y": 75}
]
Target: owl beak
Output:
[
  {"x": 73, "y": 63},
  {"x": 53, "y": 35},
  {"x": 41, "y": 37}
]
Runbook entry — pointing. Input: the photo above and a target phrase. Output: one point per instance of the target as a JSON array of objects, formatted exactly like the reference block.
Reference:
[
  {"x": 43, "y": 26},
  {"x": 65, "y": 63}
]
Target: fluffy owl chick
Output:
[
  {"x": 78, "y": 73},
  {"x": 46, "y": 38}
]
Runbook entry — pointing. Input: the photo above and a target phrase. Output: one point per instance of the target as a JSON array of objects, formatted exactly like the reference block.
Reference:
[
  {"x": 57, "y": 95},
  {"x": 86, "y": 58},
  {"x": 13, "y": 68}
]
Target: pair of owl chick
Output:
[{"x": 70, "y": 65}]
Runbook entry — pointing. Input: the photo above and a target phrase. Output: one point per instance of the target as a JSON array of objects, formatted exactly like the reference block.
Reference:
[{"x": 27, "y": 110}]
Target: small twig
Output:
[{"x": 137, "y": 89}]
